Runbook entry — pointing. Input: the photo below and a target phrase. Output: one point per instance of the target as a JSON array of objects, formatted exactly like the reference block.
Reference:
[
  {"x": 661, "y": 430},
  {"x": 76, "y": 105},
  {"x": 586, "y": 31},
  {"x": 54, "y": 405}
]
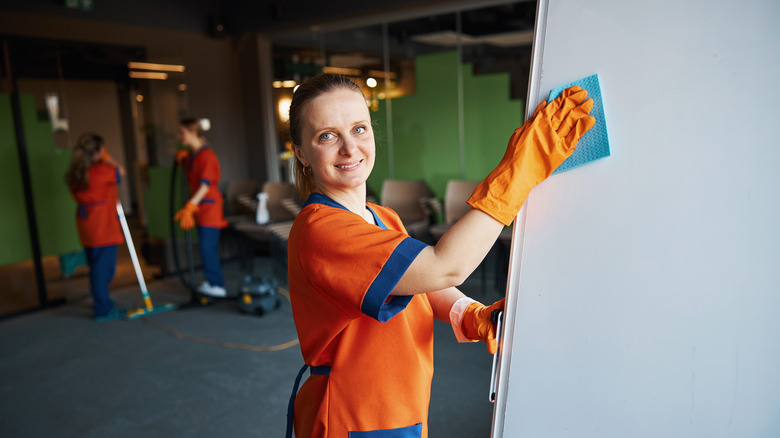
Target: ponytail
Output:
[{"x": 303, "y": 179}]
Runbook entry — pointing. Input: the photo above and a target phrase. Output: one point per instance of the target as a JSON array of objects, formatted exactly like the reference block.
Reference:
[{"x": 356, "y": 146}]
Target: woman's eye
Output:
[
  {"x": 326, "y": 136},
  {"x": 360, "y": 129}
]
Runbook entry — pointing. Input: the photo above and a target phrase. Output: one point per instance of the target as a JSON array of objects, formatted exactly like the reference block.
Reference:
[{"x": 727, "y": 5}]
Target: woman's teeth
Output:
[{"x": 347, "y": 167}]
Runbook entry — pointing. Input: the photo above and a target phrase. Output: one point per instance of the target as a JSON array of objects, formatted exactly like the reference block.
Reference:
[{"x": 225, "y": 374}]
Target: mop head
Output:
[
  {"x": 595, "y": 143},
  {"x": 149, "y": 310}
]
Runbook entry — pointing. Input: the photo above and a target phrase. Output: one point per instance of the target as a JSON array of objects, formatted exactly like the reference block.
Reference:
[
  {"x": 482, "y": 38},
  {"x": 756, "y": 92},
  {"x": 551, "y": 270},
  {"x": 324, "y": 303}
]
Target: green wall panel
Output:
[
  {"x": 157, "y": 202},
  {"x": 490, "y": 119},
  {"x": 14, "y": 232},
  {"x": 425, "y": 125},
  {"x": 55, "y": 209},
  {"x": 381, "y": 169}
]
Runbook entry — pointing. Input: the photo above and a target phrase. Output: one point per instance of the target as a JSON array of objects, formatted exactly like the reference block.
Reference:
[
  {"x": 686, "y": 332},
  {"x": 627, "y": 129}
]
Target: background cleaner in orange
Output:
[
  {"x": 204, "y": 207},
  {"x": 364, "y": 293},
  {"x": 93, "y": 177}
]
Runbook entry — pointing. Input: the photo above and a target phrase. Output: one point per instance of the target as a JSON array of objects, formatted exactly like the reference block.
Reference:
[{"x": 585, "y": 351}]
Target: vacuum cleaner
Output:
[{"x": 257, "y": 295}]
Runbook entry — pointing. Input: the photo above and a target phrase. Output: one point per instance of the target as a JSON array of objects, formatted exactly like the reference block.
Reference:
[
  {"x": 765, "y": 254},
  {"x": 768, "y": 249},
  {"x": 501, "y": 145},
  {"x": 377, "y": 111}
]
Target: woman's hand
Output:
[
  {"x": 186, "y": 216},
  {"x": 478, "y": 324},
  {"x": 535, "y": 150}
]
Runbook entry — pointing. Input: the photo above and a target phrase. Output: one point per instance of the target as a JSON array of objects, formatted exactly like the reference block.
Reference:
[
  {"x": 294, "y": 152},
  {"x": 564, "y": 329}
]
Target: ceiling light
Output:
[
  {"x": 148, "y": 75},
  {"x": 341, "y": 71},
  {"x": 449, "y": 38},
  {"x": 382, "y": 74},
  {"x": 283, "y": 108},
  {"x": 158, "y": 67}
]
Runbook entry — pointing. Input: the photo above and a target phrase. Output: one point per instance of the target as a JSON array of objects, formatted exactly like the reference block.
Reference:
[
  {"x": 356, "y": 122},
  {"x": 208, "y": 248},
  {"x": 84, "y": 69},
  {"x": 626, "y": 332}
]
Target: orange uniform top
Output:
[
  {"x": 379, "y": 347},
  {"x": 203, "y": 168},
  {"x": 96, "y": 216}
]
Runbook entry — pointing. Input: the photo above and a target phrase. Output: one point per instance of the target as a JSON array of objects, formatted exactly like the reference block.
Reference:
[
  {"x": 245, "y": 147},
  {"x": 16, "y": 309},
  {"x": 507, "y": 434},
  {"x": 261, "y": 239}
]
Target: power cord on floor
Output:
[{"x": 210, "y": 341}]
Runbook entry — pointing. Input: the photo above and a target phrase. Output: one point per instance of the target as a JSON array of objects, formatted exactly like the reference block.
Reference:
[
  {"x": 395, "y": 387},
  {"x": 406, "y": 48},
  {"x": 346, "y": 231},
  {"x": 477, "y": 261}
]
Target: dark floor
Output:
[{"x": 198, "y": 372}]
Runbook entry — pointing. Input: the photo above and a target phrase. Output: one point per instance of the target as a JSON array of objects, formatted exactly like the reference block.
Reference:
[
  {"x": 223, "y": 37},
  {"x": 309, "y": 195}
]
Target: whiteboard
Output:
[{"x": 644, "y": 291}]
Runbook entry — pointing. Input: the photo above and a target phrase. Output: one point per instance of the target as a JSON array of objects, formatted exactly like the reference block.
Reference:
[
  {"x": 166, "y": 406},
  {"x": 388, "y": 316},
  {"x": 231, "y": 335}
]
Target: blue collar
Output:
[
  {"x": 319, "y": 198},
  {"x": 202, "y": 148}
]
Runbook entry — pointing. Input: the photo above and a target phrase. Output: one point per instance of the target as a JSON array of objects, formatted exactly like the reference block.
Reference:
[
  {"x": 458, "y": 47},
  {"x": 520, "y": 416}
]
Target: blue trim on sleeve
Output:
[
  {"x": 376, "y": 303},
  {"x": 205, "y": 181},
  {"x": 401, "y": 432},
  {"x": 118, "y": 176}
]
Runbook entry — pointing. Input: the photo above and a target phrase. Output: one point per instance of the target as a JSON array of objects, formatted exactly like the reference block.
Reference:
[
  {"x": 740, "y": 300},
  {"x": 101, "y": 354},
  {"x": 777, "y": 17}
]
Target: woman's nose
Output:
[{"x": 348, "y": 146}]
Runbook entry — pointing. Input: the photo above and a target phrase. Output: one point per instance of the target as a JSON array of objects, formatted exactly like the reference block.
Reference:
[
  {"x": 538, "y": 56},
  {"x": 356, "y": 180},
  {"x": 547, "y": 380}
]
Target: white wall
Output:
[{"x": 645, "y": 287}]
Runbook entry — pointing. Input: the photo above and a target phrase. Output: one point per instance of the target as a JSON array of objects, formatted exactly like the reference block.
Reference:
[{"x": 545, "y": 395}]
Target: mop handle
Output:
[{"x": 131, "y": 248}]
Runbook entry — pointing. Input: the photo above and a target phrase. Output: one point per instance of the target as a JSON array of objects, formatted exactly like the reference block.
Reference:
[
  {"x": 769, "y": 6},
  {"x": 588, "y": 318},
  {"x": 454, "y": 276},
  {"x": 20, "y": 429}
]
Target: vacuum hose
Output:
[{"x": 175, "y": 248}]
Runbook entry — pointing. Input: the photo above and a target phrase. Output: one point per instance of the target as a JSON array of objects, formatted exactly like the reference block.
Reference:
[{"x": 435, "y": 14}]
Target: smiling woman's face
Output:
[{"x": 337, "y": 140}]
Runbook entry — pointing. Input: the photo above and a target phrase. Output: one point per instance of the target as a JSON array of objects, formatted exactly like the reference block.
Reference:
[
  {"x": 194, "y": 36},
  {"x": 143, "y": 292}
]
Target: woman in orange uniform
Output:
[
  {"x": 364, "y": 293},
  {"x": 204, "y": 207},
  {"x": 93, "y": 177}
]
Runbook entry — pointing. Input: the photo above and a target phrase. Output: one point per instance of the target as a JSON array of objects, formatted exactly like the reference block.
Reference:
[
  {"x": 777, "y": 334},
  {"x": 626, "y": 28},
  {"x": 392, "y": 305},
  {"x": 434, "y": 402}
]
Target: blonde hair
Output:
[
  {"x": 83, "y": 156},
  {"x": 309, "y": 89}
]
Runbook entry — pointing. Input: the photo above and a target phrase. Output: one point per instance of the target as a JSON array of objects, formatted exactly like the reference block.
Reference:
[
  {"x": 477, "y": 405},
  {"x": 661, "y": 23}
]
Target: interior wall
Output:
[
  {"x": 55, "y": 209},
  {"x": 247, "y": 55},
  {"x": 89, "y": 106},
  {"x": 213, "y": 88}
]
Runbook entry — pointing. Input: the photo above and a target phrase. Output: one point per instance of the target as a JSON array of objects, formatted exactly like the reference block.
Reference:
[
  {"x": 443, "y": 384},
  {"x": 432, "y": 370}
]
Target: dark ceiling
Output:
[
  {"x": 274, "y": 16},
  {"x": 291, "y": 24}
]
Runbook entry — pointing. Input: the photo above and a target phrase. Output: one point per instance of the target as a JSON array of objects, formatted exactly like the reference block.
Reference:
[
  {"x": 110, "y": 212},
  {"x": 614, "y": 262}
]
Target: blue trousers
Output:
[
  {"x": 208, "y": 240},
  {"x": 102, "y": 266}
]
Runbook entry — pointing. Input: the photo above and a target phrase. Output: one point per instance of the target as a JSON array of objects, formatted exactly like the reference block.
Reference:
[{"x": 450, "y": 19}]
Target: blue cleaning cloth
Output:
[{"x": 595, "y": 143}]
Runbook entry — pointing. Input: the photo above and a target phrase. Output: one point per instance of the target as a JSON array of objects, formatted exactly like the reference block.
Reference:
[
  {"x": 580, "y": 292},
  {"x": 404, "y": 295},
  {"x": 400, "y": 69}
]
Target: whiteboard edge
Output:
[{"x": 518, "y": 233}]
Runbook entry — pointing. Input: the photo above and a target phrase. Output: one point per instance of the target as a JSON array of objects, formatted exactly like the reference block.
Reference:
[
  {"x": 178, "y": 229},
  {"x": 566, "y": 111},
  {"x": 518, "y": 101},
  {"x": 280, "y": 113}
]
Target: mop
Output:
[{"x": 149, "y": 308}]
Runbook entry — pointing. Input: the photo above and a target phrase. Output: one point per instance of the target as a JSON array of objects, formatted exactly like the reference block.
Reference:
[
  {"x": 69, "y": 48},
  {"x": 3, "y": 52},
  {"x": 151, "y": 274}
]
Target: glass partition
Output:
[
  {"x": 445, "y": 90},
  {"x": 52, "y": 92}
]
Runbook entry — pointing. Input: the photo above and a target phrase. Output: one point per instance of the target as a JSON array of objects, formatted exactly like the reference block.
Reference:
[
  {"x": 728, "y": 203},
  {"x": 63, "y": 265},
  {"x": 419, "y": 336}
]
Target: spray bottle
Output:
[{"x": 261, "y": 216}]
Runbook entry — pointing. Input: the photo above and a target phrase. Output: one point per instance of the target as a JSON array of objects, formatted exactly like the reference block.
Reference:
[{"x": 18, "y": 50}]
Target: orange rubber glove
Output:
[
  {"x": 182, "y": 155},
  {"x": 477, "y": 325},
  {"x": 535, "y": 150},
  {"x": 104, "y": 155},
  {"x": 186, "y": 216}
]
